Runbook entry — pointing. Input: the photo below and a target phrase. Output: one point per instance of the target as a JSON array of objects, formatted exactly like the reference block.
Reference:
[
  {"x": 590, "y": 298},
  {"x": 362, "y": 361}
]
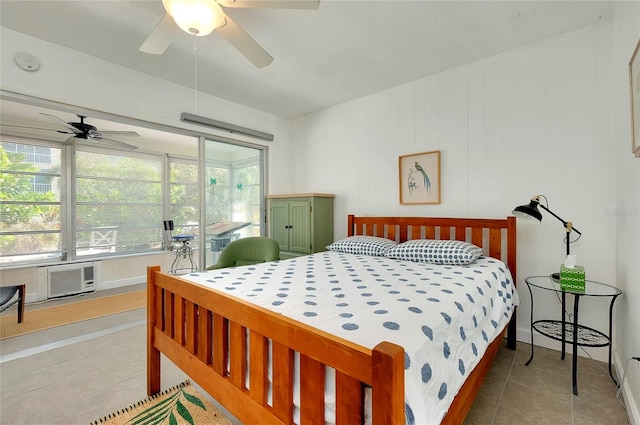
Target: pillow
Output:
[
  {"x": 433, "y": 251},
  {"x": 363, "y": 245}
]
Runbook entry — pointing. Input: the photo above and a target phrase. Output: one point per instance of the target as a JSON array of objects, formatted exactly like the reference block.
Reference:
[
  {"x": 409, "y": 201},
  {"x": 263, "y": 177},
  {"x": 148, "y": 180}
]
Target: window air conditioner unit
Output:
[{"x": 71, "y": 279}]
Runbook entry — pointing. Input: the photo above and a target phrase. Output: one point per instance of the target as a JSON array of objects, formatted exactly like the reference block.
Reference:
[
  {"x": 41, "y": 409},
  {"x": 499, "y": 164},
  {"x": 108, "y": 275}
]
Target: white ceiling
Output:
[{"x": 344, "y": 50}]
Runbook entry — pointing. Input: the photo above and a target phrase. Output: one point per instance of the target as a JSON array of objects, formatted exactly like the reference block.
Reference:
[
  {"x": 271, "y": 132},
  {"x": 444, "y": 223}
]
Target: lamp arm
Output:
[{"x": 566, "y": 224}]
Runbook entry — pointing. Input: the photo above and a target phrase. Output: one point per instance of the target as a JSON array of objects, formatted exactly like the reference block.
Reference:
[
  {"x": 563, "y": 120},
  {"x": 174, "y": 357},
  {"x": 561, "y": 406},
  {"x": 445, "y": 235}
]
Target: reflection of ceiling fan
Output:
[
  {"x": 82, "y": 130},
  {"x": 201, "y": 17}
]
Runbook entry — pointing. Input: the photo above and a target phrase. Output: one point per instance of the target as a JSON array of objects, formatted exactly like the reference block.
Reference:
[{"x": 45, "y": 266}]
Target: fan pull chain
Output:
[{"x": 195, "y": 72}]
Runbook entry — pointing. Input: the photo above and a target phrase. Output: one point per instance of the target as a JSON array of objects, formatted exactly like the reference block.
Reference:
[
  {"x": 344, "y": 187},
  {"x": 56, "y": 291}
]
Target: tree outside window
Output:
[{"x": 29, "y": 201}]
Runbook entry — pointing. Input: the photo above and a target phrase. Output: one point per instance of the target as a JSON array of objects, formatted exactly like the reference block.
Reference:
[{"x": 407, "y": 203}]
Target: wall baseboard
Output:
[
  {"x": 122, "y": 282},
  {"x": 633, "y": 410},
  {"x": 31, "y": 297}
]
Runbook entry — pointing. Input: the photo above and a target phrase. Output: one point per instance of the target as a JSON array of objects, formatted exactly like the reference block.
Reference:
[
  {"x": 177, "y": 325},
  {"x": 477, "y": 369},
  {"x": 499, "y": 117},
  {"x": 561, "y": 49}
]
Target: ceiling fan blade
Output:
[
  {"x": 73, "y": 140},
  {"x": 113, "y": 142},
  {"x": 66, "y": 124},
  {"x": 161, "y": 36},
  {"x": 271, "y": 4},
  {"x": 244, "y": 43},
  {"x": 30, "y": 128},
  {"x": 119, "y": 133}
]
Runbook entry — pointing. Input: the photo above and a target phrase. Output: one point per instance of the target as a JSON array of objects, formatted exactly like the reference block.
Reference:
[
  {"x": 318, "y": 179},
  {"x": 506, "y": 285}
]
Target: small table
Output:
[
  {"x": 222, "y": 233},
  {"x": 562, "y": 331},
  {"x": 184, "y": 251}
]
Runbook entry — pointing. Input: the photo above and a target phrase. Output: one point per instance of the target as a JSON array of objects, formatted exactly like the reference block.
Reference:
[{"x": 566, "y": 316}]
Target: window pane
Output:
[
  {"x": 218, "y": 205},
  {"x": 118, "y": 203},
  {"x": 184, "y": 197},
  {"x": 29, "y": 201},
  {"x": 246, "y": 197}
]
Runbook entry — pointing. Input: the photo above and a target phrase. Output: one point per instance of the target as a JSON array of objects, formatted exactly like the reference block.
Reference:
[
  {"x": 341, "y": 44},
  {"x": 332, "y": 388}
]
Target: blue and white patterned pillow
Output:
[
  {"x": 363, "y": 245},
  {"x": 433, "y": 251}
]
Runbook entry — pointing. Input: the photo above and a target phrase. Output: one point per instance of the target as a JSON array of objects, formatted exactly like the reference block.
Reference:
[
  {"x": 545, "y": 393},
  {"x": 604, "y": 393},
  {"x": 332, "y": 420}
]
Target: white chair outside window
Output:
[{"x": 104, "y": 239}]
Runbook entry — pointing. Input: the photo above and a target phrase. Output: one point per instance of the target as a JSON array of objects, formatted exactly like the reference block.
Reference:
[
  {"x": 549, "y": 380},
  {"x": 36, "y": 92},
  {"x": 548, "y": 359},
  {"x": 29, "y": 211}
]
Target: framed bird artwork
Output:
[
  {"x": 634, "y": 86},
  {"x": 420, "y": 178}
]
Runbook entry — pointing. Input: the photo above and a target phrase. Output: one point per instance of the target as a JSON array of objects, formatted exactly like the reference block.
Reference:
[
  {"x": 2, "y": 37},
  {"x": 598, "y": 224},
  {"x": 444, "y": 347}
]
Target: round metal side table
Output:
[{"x": 564, "y": 331}]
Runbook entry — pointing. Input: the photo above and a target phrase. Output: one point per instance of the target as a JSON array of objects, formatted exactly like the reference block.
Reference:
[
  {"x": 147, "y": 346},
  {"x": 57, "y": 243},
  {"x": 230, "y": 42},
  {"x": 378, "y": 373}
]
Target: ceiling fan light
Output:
[{"x": 195, "y": 17}]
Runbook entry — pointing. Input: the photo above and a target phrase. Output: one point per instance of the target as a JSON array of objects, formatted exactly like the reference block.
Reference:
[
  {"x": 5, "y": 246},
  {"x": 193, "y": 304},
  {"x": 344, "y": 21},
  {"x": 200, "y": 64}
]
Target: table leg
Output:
[
  {"x": 21, "y": 295},
  {"x": 611, "y": 335},
  {"x": 531, "y": 324},
  {"x": 574, "y": 367},
  {"x": 193, "y": 265},
  {"x": 564, "y": 324}
]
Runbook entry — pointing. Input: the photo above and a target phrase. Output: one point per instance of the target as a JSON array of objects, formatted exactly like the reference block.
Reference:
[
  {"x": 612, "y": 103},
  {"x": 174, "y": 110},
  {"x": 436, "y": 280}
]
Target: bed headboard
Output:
[{"x": 497, "y": 237}]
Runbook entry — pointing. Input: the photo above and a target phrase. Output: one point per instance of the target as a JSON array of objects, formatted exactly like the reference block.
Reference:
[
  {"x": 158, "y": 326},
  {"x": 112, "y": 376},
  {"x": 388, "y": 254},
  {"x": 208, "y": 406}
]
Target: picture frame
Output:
[
  {"x": 634, "y": 88},
  {"x": 419, "y": 178}
]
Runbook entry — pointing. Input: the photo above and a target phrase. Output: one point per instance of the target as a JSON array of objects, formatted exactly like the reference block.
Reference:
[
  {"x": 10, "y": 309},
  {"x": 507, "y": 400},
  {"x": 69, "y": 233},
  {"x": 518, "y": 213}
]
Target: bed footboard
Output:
[{"x": 229, "y": 347}]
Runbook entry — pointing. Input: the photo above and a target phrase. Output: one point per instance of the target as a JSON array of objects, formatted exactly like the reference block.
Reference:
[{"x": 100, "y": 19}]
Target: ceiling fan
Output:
[
  {"x": 82, "y": 130},
  {"x": 201, "y": 17}
]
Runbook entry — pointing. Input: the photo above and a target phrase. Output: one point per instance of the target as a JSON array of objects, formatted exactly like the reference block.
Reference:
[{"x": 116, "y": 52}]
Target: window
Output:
[
  {"x": 33, "y": 154},
  {"x": 30, "y": 201},
  {"x": 233, "y": 201},
  {"x": 100, "y": 202},
  {"x": 118, "y": 202}
]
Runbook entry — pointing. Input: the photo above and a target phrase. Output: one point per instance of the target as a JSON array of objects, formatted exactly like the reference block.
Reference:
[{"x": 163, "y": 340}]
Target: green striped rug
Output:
[{"x": 179, "y": 405}]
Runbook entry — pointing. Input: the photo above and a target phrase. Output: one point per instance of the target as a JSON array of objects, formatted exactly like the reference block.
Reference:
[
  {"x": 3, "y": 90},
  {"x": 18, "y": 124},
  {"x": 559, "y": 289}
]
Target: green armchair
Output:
[{"x": 246, "y": 251}]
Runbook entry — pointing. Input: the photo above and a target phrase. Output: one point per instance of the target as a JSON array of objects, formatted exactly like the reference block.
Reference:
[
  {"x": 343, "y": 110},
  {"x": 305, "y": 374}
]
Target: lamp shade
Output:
[
  {"x": 529, "y": 212},
  {"x": 195, "y": 17}
]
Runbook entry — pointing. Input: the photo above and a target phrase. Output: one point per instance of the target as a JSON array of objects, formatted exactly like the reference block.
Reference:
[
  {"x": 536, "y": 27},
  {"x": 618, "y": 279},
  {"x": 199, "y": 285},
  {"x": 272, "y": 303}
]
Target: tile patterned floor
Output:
[
  {"x": 541, "y": 393},
  {"x": 81, "y": 372}
]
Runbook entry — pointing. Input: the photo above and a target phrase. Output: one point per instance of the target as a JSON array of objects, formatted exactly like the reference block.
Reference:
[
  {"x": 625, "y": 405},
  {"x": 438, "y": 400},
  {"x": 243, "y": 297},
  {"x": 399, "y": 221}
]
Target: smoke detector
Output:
[{"x": 27, "y": 61}]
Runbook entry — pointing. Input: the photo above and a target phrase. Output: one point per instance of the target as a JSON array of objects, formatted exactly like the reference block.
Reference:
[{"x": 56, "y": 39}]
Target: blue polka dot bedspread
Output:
[{"x": 443, "y": 316}]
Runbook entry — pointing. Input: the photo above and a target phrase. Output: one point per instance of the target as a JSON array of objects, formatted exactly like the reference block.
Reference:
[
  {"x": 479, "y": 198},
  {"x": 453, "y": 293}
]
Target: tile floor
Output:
[{"x": 78, "y": 373}]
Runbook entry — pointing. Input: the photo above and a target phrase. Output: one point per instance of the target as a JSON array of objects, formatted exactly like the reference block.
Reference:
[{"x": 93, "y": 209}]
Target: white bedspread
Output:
[{"x": 443, "y": 316}]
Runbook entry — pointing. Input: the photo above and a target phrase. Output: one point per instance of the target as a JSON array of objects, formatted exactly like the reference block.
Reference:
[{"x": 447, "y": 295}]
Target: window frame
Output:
[{"x": 36, "y": 257}]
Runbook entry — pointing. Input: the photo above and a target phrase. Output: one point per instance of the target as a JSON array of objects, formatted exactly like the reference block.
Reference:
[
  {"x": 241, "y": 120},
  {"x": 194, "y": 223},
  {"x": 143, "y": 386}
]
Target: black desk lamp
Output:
[{"x": 531, "y": 213}]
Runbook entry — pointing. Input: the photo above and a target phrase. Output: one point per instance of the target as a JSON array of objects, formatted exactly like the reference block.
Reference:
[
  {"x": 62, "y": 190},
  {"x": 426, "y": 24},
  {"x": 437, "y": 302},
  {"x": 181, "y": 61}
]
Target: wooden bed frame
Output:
[{"x": 219, "y": 340}]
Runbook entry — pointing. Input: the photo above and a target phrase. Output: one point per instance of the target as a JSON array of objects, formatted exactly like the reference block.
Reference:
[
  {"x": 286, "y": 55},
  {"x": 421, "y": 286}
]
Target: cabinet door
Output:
[
  {"x": 300, "y": 226},
  {"x": 280, "y": 224}
]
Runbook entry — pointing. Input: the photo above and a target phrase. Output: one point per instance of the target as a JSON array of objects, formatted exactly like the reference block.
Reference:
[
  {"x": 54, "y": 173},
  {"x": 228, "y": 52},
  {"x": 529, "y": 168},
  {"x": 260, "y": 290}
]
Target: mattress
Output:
[{"x": 443, "y": 316}]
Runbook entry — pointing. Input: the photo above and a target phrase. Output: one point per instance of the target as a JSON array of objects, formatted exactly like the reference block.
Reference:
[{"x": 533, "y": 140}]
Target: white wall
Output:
[
  {"x": 538, "y": 120},
  {"x": 77, "y": 79},
  {"x": 535, "y": 120},
  {"x": 627, "y": 16}
]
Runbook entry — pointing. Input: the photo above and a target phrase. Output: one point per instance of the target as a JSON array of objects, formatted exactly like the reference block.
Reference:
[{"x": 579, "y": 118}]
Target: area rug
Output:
[
  {"x": 179, "y": 405},
  {"x": 49, "y": 317}
]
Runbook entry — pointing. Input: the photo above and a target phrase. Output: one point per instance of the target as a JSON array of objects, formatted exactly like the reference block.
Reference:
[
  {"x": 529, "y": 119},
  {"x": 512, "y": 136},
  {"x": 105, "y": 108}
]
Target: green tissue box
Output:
[{"x": 572, "y": 279}]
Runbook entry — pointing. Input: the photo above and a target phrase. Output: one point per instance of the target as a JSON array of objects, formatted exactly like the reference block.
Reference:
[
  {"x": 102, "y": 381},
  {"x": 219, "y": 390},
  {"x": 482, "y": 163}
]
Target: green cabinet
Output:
[{"x": 301, "y": 224}]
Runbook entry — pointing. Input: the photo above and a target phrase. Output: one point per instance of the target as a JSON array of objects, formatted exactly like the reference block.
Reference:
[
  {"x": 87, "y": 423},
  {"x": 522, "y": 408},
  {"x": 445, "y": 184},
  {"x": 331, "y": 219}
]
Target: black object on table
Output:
[{"x": 564, "y": 331}]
